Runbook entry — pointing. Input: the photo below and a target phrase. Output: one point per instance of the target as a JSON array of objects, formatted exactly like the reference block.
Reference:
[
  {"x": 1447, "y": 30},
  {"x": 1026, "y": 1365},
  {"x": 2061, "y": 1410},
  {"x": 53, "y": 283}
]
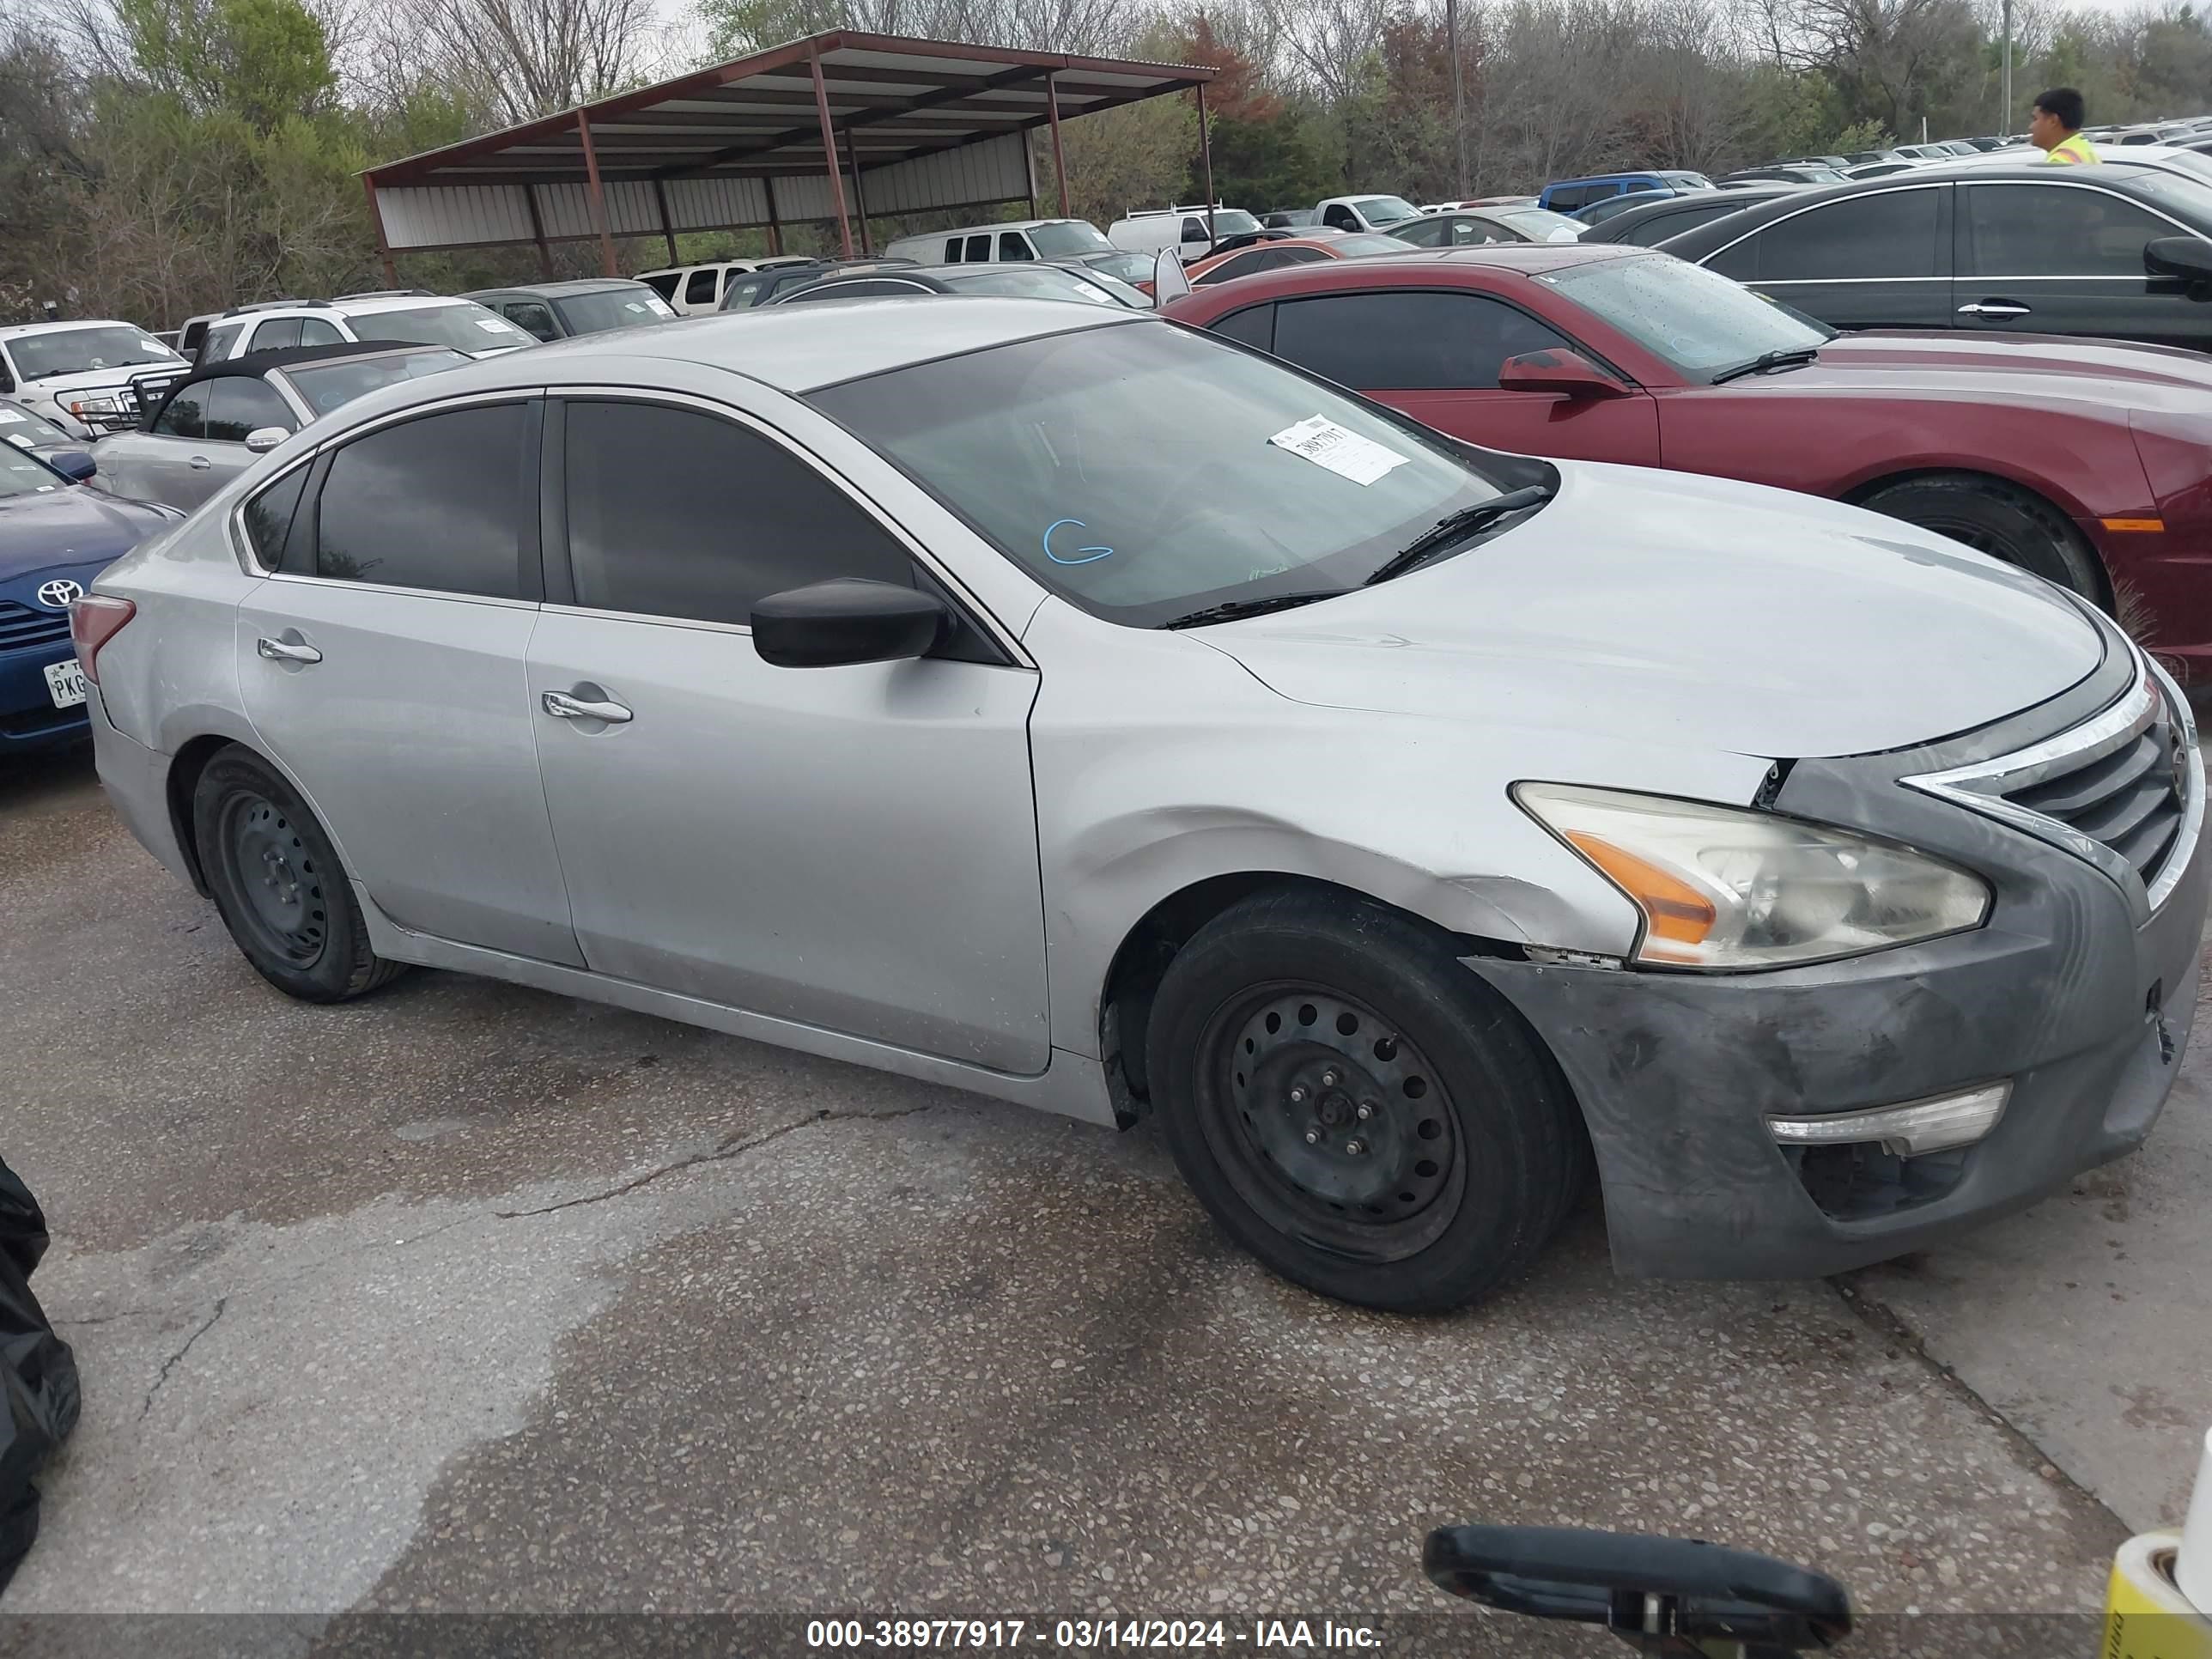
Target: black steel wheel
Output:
[
  {"x": 1355, "y": 1106},
  {"x": 278, "y": 881}
]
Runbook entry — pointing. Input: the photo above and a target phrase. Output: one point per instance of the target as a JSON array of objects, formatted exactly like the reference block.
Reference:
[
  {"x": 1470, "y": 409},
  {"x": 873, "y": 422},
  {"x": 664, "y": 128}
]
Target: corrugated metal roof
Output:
[{"x": 890, "y": 100}]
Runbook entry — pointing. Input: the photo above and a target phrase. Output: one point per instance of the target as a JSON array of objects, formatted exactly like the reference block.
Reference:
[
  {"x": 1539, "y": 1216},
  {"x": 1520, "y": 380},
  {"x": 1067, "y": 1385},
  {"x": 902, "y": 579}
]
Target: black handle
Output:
[{"x": 1630, "y": 1583}]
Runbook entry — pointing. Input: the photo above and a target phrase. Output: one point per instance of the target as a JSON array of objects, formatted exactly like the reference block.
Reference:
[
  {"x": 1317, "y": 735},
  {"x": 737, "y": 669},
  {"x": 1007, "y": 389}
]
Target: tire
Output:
[
  {"x": 1472, "y": 1153},
  {"x": 1997, "y": 519},
  {"x": 278, "y": 883}
]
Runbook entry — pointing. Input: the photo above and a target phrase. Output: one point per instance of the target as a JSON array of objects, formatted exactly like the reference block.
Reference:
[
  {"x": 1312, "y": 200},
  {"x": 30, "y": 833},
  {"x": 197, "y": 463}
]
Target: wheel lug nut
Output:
[
  {"x": 1329, "y": 1079},
  {"x": 1355, "y": 1148},
  {"x": 1297, "y": 1095},
  {"x": 1365, "y": 1111},
  {"x": 1313, "y": 1137}
]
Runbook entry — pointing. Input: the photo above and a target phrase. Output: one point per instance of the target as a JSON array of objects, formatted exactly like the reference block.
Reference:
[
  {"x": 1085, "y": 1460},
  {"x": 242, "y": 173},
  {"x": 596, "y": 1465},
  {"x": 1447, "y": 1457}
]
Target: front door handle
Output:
[
  {"x": 1994, "y": 308},
  {"x": 563, "y": 706},
  {"x": 285, "y": 651},
  {"x": 200, "y": 464}
]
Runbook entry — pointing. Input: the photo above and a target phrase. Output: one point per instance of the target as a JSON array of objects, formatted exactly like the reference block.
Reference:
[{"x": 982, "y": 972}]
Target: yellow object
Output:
[
  {"x": 2134, "y": 523},
  {"x": 2075, "y": 150},
  {"x": 2146, "y": 1617}
]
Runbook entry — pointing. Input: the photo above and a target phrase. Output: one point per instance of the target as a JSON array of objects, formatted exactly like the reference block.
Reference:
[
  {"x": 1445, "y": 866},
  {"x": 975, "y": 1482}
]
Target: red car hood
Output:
[{"x": 2021, "y": 369}]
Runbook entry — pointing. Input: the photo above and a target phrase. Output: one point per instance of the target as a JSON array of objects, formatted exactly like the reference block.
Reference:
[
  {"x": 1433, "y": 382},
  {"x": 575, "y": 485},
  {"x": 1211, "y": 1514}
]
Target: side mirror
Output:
[
  {"x": 1563, "y": 373},
  {"x": 1168, "y": 281},
  {"x": 263, "y": 439},
  {"x": 75, "y": 464},
  {"x": 2189, "y": 257},
  {"x": 833, "y": 624}
]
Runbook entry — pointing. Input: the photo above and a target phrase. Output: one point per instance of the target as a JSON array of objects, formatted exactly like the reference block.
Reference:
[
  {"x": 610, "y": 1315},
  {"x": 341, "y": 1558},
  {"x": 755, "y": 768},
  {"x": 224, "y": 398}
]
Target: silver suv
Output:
[{"x": 1051, "y": 701}]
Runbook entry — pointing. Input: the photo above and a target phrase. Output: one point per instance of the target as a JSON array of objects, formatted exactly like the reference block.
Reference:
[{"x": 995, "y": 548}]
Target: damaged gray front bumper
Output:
[{"x": 2075, "y": 992}]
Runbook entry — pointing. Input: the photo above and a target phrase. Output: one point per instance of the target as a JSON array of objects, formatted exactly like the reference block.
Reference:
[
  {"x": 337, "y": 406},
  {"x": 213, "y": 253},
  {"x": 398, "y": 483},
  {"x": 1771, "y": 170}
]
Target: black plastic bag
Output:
[{"x": 38, "y": 1374}]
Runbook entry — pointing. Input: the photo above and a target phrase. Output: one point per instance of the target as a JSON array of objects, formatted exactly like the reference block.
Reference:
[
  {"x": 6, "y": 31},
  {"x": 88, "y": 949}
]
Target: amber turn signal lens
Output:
[{"x": 1674, "y": 909}]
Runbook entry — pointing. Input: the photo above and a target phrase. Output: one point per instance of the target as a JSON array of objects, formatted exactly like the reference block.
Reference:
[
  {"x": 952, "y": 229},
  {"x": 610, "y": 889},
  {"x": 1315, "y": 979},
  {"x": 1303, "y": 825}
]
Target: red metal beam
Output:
[
  {"x": 382, "y": 247},
  {"x": 598, "y": 198},
  {"x": 830, "y": 150},
  {"x": 1059, "y": 158},
  {"x": 660, "y": 195},
  {"x": 1204, "y": 163},
  {"x": 537, "y": 231}
]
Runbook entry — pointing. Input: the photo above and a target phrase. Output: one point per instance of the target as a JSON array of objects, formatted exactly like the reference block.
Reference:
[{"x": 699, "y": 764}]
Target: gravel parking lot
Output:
[{"x": 465, "y": 1297}]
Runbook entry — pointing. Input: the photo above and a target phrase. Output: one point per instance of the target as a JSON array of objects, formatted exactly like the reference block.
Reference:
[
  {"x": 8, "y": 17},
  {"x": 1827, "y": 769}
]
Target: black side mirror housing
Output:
[
  {"x": 75, "y": 464},
  {"x": 833, "y": 624},
  {"x": 2189, "y": 257}
]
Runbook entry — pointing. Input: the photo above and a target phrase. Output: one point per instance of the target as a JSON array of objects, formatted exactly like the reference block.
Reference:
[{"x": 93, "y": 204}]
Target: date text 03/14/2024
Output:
[{"x": 1262, "y": 1635}]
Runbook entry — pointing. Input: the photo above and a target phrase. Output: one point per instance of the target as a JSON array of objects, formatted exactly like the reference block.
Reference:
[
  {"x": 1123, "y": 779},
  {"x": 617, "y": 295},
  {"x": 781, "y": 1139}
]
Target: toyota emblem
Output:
[{"x": 59, "y": 595}]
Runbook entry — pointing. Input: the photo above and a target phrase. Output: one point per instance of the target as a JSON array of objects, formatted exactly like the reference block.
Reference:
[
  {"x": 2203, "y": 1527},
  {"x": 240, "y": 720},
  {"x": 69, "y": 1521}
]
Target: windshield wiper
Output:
[
  {"x": 1457, "y": 528},
  {"x": 1231, "y": 610},
  {"x": 1789, "y": 357}
]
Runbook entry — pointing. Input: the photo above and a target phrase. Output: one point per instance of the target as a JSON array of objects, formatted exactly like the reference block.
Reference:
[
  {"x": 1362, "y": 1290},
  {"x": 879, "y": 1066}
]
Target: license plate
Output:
[{"x": 65, "y": 683}]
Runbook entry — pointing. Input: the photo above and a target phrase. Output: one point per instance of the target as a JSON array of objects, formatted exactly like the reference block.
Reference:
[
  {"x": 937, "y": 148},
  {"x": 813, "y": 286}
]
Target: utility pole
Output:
[
  {"x": 1459, "y": 98},
  {"x": 2005, "y": 120}
]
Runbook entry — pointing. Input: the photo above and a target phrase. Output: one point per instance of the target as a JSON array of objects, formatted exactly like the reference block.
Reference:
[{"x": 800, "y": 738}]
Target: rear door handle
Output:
[
  {"x": 200, "y": 464},
  {"x": 1994, "y": 308},
  {"x": 563, "y": 706},
  {"x": 285, "y": 651}
]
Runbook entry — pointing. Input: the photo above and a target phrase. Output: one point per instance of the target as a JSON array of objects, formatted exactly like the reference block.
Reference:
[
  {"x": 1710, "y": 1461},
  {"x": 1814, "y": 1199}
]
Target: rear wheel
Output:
[
  {"x": 1355, "y": 1107},
  {"x": 278, "y": 884},
  {"x": 1998, "y": 519}
]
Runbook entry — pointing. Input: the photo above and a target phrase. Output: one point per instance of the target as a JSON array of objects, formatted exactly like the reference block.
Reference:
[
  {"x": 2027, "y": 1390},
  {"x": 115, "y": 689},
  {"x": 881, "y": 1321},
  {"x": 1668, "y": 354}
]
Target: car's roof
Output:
[
  {"x": 18, "y": 330},
  {"x": 798, "y": 349},
  {"x": 1380, "y": 269}
]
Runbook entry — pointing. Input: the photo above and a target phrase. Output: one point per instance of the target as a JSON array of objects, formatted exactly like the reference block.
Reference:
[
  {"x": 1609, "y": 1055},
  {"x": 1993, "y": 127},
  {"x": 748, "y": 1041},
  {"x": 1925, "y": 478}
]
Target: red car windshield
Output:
[{"x": 1697, "y": 319}]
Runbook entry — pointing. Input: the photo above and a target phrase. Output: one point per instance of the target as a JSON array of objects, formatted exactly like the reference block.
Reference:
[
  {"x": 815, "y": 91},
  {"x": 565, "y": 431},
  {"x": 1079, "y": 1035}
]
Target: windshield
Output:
[
  {"x": 1030, "y": 283},
  {"x": 24, "y": 475},
  {"x": 1065, "y": 236},
  {"x": 1697, "y": 319},
  {"x": 24, "y": 429},
  {"x": 1541, "y": 225},
  {"x": 1385, "y": 209},
  {"x": 1129, "y": 267},
  {"x": 73, "y": 350},
  {"x": 612, "y": 308},
  {"x": 1687, "y": 180},
  {"x": 1143, "y": 472},
  {"x": 326, "y": 385},
  {"x": 1230, "y": 221},
  {"x": 461, "y": 324}
]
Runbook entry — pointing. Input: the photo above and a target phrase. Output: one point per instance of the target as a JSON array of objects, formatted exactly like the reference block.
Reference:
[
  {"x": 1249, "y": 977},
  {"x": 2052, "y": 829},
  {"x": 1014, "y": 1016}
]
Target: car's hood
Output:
[
  {"x": 1690, "y": 612},
  {"x": 72, "y": 526},
  {"x": 2023, "y": 370}
]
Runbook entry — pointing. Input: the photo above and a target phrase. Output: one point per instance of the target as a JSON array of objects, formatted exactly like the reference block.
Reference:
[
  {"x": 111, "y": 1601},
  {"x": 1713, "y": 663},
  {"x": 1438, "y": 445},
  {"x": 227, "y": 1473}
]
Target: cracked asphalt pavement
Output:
[{"x": 469, "y": 1297}]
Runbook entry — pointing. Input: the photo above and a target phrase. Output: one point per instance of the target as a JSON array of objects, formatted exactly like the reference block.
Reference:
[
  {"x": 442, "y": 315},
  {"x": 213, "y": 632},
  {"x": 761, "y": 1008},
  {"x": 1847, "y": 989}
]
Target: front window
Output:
[
  {"x": 1059, "y": 240},
  {"x": 1144, "y": 473},
  {"x": 1129, "y": 267},
  {"x": 76, "y": 350},
  {"x": 1385, "y": 209},
  {"x": 25, "y": 430},
  {"x": 611, "y": 308},
  {"x": 1700, "y": 322},
  {"x": 1687, "y": 180},
  {"x": 326, "y": 385},
  {"x": 1359, "y": 245},
  {"x": 1232, "y": 222},
  {"x": 1028, "y": 282},
  {"x": 26, "y": 475},
  {"x": 464, "y": 325}
]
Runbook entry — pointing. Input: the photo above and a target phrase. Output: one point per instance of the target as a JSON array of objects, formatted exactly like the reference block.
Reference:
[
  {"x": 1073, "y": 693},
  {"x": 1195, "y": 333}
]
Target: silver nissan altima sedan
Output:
[{"x": 1067, "y": 706}]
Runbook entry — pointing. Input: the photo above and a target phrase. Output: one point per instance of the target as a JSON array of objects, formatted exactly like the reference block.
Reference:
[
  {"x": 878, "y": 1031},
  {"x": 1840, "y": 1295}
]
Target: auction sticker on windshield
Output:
[
  {"x": 1342, "y": 451},
  {"x": 65, "y": 683}
]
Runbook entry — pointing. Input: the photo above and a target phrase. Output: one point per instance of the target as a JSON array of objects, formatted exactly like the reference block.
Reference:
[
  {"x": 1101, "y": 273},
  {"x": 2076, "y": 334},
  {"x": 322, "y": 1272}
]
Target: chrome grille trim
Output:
[{"x": 1985, "y": 786}]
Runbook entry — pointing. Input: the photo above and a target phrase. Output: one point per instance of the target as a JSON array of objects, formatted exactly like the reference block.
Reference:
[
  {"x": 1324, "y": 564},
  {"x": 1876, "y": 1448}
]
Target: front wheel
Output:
[
  {"x": 278, "y": 881},
  {"x": 1998, "y": 519},
  {"x": 1355, "y": 1108}
]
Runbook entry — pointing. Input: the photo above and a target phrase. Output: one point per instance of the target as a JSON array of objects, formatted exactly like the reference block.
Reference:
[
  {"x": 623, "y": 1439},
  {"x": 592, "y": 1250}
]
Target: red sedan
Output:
[{"x": 2088, "y": 462}]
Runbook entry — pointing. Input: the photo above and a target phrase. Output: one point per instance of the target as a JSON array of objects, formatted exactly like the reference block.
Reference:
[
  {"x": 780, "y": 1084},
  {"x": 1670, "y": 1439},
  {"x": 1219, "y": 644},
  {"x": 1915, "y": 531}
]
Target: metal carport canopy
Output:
[{"x": 834, "y": 125}]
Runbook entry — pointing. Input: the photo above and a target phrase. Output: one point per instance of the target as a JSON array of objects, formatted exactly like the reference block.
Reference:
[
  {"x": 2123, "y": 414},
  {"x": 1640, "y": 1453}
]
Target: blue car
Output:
[
  {"x": 1571, "y": 196},
  {"x": 55, "y": 537}
]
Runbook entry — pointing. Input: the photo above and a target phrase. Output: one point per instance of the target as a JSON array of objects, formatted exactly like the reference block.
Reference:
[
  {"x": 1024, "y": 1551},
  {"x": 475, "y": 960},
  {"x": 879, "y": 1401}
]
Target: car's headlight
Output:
[
  {"x": 1730, "y": 889},
  {"x": 84, "y": 407}
]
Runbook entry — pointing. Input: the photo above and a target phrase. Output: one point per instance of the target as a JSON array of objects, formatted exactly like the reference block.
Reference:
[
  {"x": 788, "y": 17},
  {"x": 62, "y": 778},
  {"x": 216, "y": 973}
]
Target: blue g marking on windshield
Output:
[{"x": 1091, "y": 555}]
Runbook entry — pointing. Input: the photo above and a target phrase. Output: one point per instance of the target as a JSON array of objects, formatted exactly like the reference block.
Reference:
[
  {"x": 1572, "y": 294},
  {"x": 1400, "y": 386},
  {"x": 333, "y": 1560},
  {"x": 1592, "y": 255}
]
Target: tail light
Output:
[{"x": 93, "y": 620}]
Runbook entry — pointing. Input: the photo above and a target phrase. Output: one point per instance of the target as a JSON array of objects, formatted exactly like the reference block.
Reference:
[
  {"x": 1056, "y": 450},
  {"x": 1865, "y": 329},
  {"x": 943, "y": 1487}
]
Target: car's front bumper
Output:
[
  {"x": 29, "y": 718},
  {"x": 2068, "y": 993}
]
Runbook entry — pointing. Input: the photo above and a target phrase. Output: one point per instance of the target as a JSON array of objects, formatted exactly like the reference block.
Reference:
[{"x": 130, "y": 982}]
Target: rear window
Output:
[
  {"x": 1057, "y": 242},
  {"x": 462, "y": 325},
  {"x": 327, "y": 386}
]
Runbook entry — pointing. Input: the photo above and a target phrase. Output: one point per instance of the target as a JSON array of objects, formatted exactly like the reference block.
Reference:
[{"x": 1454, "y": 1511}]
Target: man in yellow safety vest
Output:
[{"x": 2055, "y": 128}]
